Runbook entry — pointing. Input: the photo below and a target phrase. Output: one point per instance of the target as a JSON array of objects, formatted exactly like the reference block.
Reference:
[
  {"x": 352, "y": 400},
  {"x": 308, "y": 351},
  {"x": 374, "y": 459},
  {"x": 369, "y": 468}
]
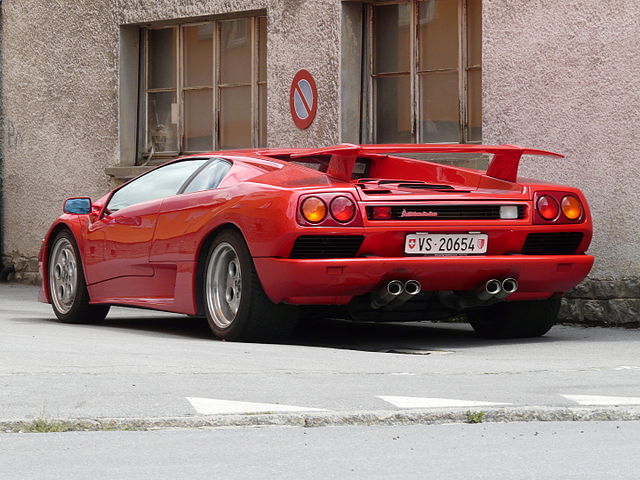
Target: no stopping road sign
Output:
[{"x": 303, "y": 99}]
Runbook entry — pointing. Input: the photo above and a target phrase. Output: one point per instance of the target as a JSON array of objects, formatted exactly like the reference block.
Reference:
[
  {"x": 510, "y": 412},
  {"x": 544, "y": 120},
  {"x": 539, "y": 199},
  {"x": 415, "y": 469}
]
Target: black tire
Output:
[
  {"x": 515, "y": 319},
  {"x": 67, "y": 286},
  {"x": 236, "y": 306}
]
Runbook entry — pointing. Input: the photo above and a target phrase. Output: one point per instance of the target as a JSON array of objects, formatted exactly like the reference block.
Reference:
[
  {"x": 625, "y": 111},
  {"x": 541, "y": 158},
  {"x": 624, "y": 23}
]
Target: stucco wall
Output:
[
  {"x": 59, "y": 100},
  {"x": 565, "y": 76},
  {"x": 61, "y": 64}
]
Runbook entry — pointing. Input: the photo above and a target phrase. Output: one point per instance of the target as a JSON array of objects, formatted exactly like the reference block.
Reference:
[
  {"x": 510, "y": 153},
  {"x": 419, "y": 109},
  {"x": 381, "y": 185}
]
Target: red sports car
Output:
[{"x": 253, "y": 238}]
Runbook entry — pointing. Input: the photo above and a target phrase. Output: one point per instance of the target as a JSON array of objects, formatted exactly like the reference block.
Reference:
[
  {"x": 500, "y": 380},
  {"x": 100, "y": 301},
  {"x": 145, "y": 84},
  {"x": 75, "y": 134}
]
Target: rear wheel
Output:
[
  {"x": 235, "y": 303},
  {"x": 515, "y": 319},
  {"x": 69, "y": 296}
]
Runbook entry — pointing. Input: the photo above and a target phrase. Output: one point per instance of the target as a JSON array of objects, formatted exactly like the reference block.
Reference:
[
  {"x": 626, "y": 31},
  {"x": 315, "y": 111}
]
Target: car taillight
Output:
[
  {"x": 548, "y": 207},
  {"x": 329, "y": 209},
  {"x": 342, "y": 209},
  {"x": 313, "y": 209},
  {"x": 571, "y": 208}
]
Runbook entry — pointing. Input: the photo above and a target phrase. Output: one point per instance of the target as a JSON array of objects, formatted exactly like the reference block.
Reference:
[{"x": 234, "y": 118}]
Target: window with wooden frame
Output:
[
  {"x": 203, "y": 87},
  {"x": 425, "y": 71}
]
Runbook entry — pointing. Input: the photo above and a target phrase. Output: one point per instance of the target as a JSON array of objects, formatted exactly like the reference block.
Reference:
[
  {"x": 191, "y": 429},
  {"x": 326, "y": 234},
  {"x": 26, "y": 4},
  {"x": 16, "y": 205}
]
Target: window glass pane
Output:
[
  {"x": 198, "y": 55},
  {"x": 235, "y": 51},
  {"x": 262, "y": 49},
  {"x": 162, "y": 182},
  {"x": 392, "y": 38},
  {"x": 198, "y": 120},
  {"x": 438, "y": 34},
  {"x": 162, "y": 58},
  {"x": 235, "y": 117},
  {"x": 162, "y": 121},
  {"x": 210, "y": 177},
  {"x": 439, "y": 101},
  {"x": 474, "y": 104},
  {"x": 393, "y": 110},
  {"x": 474, "y": 26},
  {"x": 262, "y": 115}
]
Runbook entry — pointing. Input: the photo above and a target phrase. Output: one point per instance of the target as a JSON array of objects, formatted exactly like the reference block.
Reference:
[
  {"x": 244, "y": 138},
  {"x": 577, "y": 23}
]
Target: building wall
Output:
[
  {"x": 565, "y": 76},
  {"x": 59, "y": 99}
]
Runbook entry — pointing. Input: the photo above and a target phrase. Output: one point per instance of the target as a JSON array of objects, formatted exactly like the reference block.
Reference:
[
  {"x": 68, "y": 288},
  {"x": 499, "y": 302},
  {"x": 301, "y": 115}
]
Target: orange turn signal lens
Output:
[
  {"x": 313, "y": 210},
  {"x": 342, "y": 209},
  {"x": 547, "y": 207},
  {"x": 571, "y": 207}
]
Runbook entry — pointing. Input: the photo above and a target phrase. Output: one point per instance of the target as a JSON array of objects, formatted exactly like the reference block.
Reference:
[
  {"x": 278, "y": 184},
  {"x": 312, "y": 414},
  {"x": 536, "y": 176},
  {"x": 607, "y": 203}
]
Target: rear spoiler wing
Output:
[{"x": 504, "y": 165}]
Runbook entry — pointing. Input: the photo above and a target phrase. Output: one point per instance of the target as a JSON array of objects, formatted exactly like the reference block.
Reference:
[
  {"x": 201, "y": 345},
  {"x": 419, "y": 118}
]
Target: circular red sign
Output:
[{"x": 303, "y": 99}]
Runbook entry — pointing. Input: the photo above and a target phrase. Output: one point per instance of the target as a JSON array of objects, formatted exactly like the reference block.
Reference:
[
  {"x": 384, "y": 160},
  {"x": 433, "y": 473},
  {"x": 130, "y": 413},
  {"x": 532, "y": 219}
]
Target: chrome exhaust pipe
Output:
[
  {"x": 386, "y": 294},
  {"x": 491, "y": 289},
  {"x": 509, "y": 286},
  {"x": 411, "y": 288}
]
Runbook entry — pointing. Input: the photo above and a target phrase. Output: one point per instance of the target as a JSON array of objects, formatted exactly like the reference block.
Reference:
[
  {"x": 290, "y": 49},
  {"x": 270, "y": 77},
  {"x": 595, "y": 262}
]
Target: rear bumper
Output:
[{"x": 337, "y": 281}]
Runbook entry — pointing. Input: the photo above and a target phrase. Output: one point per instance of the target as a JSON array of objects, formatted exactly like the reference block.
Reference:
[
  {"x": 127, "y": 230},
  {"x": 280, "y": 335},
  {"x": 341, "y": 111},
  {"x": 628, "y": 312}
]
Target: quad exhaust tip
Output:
[
  {"x": 510, "y": 285},
  {"x": 497, "y": 289},
  {"x": 412, "y": 287},
  {"x": 395, "y": 293},
  {"x": 386, "y": 294},
  {"x": 493, "y": 286}
]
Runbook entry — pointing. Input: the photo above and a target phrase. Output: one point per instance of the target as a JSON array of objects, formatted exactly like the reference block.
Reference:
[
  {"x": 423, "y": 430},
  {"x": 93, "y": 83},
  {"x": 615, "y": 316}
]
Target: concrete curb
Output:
[{"x": 331, "y": 419}]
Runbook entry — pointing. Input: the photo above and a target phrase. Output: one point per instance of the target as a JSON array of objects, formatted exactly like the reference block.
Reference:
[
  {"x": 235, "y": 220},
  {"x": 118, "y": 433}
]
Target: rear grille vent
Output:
[
  {"x": 326, "y": 246},
  {"x": 446, "y": 212},
  {"x": 556, "y": 243}
]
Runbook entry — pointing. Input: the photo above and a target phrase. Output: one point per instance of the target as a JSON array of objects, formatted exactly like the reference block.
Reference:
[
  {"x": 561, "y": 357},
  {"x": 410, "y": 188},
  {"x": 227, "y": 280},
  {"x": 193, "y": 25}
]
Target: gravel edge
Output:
[{"x": 327, "y": 419}]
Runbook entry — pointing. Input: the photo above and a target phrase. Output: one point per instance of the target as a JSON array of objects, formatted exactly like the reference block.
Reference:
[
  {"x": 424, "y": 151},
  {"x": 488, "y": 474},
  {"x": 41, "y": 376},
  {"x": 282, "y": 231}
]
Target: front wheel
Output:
[
  {"x": 237, "y": 307},
  {"x": 515, "y": 319},
  {"x": 69, "y": 296}
]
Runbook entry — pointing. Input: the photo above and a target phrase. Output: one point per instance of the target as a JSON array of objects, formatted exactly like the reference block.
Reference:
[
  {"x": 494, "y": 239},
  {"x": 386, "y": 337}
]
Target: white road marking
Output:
[
  {"x": 419, "y": 402},
  {"x": 212, "y": 406},
  {"x": 602, "y": 400}
]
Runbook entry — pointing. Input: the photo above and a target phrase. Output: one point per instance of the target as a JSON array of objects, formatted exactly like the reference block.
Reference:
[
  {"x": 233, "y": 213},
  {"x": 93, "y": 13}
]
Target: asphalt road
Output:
[
  {"x": 575, "y": 450},
  {"x": 145, "y": 365}
]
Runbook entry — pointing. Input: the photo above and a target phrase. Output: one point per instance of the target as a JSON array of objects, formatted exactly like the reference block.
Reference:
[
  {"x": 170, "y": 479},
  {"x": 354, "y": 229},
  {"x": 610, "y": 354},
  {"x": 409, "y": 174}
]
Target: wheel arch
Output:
[{"x": 201, "y": 257}]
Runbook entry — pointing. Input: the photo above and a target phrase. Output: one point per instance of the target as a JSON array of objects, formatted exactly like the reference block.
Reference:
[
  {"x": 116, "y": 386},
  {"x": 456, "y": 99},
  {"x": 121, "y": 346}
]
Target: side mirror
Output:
[{"x": 77, "y": 205}]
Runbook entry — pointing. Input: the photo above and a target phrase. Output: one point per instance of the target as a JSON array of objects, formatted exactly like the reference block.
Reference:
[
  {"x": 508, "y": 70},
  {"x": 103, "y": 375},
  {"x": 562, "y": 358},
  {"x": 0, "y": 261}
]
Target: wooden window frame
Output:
[
  {"x": 416, "y": 105},
  {"x": 258, "y": 131}
]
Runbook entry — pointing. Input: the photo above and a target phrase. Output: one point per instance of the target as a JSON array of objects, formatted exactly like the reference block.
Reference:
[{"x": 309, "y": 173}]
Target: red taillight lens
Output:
[
  {"x": 381, "y": 213},
  {"x": 342, "y": 209},
  {"x": 571, "y": 207},
  {"x": 548, "y": 207},
  {"x": 313, "y": 210}
]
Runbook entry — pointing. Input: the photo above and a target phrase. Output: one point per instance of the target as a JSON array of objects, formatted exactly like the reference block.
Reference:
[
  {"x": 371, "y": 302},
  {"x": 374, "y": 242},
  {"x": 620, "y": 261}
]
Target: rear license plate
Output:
[{"x": 446, "y": 243}]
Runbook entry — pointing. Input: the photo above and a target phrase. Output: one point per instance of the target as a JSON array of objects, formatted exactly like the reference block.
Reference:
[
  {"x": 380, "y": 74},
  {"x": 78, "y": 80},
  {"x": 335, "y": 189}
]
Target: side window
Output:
[
  {"x": 162, "y": 182},
  {"x": 210, "y": 177}
]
